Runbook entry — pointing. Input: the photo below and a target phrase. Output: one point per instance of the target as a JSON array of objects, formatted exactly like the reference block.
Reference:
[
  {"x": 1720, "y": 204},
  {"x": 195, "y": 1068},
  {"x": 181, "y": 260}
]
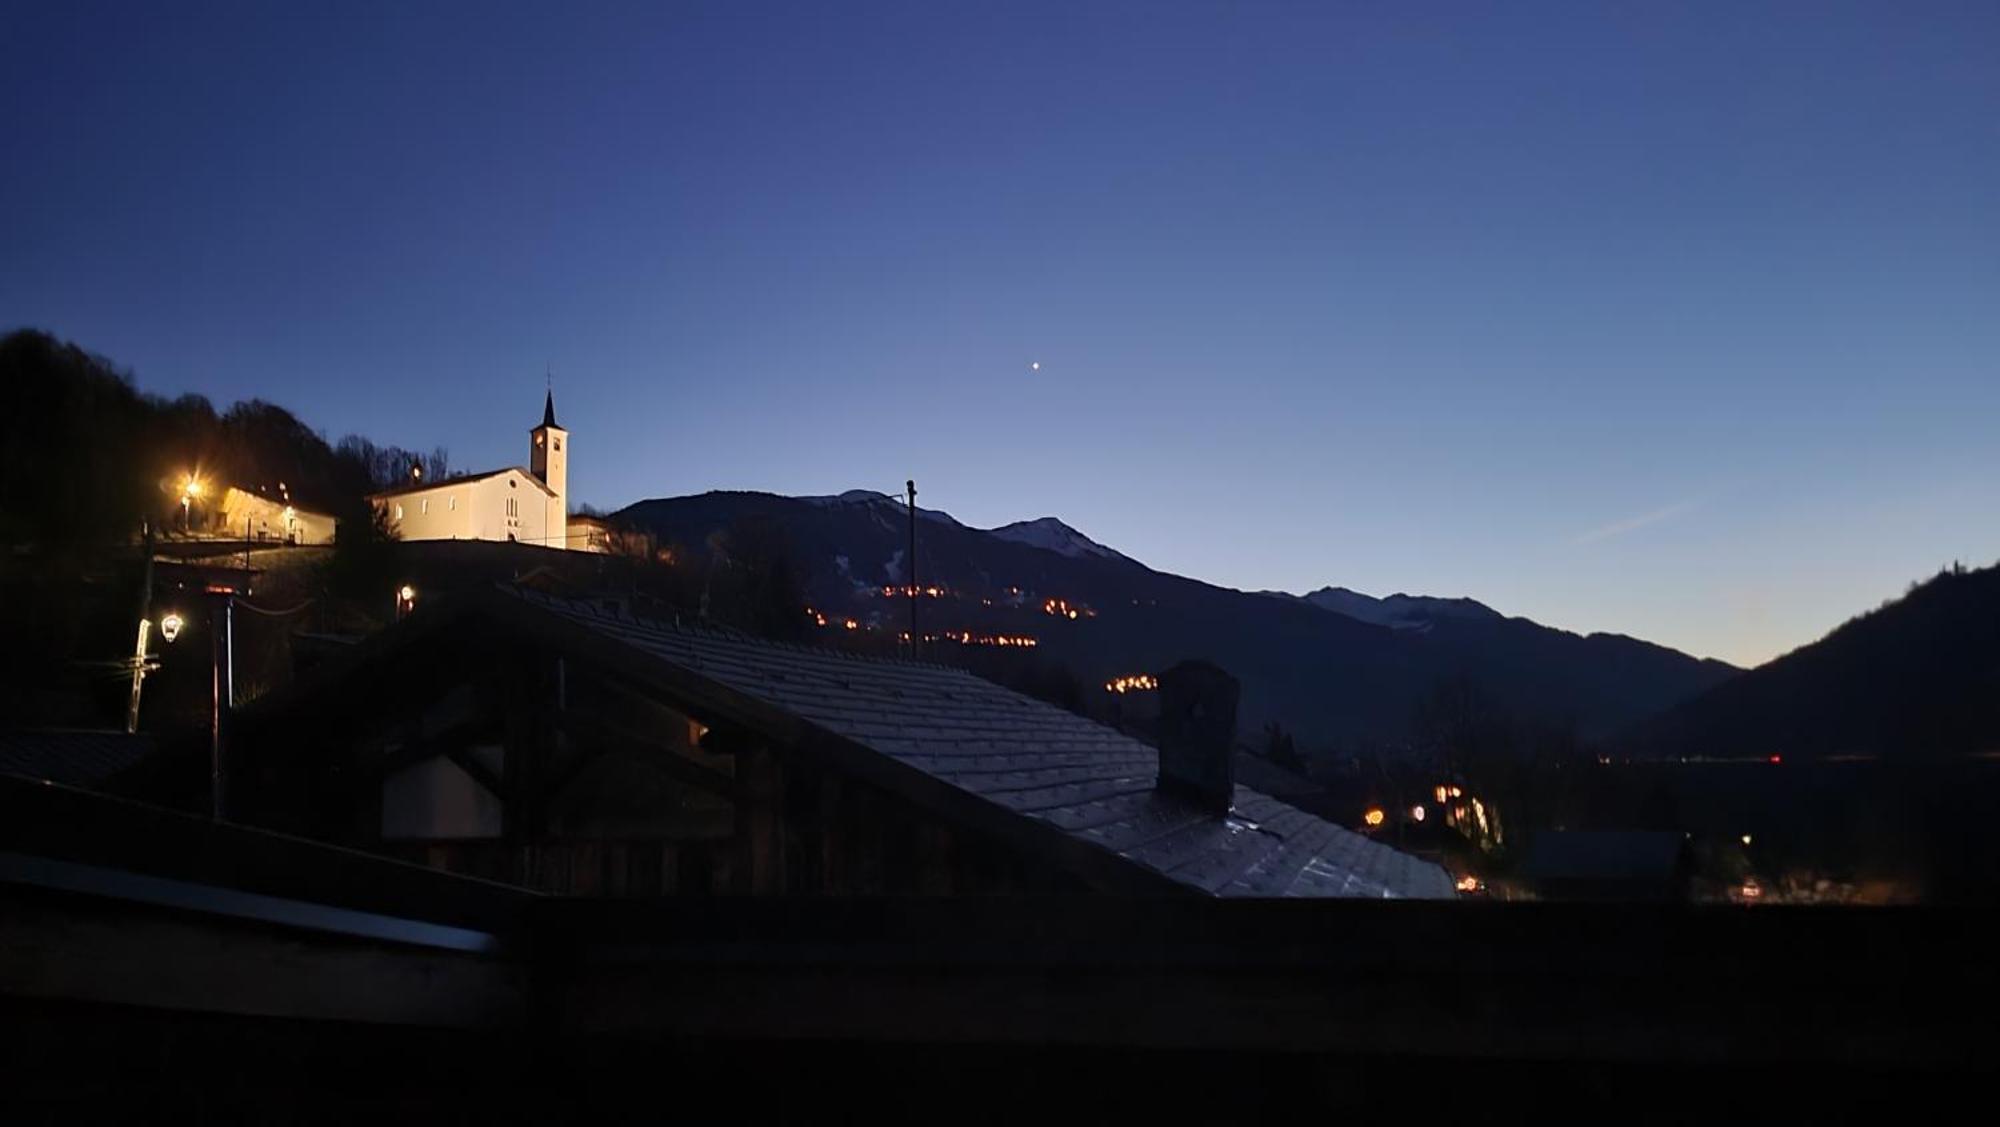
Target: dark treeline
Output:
[{"x": 88, "y": 457}]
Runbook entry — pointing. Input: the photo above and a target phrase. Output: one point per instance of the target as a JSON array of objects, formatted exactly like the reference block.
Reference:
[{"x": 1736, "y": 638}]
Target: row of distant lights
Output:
[
  {"x": 968, "y": 638},
  {"x": 1136, "y": 683}
]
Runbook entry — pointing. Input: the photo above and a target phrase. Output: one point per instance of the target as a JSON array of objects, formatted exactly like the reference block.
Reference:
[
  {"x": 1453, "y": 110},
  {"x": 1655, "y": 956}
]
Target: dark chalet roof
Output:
[
  {"x": 461, "y": 479},
  {"x": 73, "y": 757},
  {"x": 1055, "y": 779}
]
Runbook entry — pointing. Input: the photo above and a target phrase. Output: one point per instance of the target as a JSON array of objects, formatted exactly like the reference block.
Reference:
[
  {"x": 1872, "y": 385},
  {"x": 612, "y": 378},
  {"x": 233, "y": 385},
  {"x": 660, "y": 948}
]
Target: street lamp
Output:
[
  {"x": 170, "y": 626},
  {"x": 406, "y": 600},
  {"x": 190, "y": 489}
]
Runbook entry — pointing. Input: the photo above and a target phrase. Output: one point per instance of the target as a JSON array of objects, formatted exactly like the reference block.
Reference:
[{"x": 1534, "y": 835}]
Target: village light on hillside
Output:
[
  {"x": 1374, "y": 816},
  {"x": 406, "y": 600},
  {"x": 170, "y": 626},
  {"x": 1417, "y": 813}
]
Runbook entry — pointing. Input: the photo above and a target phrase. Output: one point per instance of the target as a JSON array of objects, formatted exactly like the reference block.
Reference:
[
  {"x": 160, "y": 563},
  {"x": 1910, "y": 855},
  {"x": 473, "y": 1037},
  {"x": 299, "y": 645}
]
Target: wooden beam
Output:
[
  {"x": 760, "y": 828},
  {"x": 605, "y": 736},
  {"x": 450, "y": 742},
  {"x": 480, "y": 773}
]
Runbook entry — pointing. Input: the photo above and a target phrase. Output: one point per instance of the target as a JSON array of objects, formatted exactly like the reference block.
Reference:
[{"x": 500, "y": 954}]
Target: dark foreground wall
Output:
[{"x": 189, "y": 981}]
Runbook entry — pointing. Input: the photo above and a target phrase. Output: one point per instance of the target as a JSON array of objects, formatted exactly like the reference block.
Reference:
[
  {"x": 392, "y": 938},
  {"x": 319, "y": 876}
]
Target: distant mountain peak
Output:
[
  {"x": 1398, "y": 610},
  {"x": 1055, "y": 536}
]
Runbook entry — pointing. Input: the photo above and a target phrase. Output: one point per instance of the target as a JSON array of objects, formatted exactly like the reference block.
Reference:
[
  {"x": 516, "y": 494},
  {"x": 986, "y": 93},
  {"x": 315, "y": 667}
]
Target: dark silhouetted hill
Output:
[{"x": 1918, "y": 678}]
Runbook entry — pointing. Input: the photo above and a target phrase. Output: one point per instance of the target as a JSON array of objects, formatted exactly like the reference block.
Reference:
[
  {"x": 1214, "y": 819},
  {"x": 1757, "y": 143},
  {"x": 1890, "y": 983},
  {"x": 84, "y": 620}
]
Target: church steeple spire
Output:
[{"x": 549, "y": 406}]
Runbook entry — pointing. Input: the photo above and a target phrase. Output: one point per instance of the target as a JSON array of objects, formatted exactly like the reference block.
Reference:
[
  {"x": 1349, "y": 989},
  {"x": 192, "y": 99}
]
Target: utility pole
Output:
[
  {"x": 916, "y": 639},
  {"x": 218, "y": 611},
  {"x": 145, "y": 629}
]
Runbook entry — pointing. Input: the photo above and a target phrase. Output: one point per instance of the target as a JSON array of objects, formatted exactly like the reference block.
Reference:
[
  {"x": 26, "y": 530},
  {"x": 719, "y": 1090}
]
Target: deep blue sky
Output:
[{"x": 1682, "y": 324}]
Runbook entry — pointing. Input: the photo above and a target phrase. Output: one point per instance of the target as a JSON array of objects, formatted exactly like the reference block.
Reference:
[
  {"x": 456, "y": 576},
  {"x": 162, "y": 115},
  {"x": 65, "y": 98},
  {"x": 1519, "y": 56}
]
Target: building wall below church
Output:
[{"x": 273, "y": 520}]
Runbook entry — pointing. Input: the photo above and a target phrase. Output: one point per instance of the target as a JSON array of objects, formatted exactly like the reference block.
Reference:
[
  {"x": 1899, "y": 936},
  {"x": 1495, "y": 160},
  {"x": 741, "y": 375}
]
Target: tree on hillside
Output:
[
  {"x": 1280, "y": 749},
  {"x": 753, "y": 582},
  {"x": 71, "y": 431},
  {"x": 88, "y": 458}
]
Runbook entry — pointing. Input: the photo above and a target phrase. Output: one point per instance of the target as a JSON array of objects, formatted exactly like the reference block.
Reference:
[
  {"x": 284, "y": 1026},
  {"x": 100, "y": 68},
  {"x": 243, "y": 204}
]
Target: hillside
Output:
[
  {"x": 1334, "y": 679},
  {"x": 89, "y": 458},
  {"x": 1917, "y": 679}
]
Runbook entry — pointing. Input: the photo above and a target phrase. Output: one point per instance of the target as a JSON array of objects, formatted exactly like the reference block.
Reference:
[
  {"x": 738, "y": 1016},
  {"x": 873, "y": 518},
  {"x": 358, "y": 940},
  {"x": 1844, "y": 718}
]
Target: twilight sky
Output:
[{"x": 1679, "y": 324}]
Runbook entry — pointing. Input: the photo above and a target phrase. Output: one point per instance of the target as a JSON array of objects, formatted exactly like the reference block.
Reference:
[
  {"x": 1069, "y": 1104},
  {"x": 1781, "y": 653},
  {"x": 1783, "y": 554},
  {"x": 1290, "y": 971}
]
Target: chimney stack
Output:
[{"x": 1198, "y": 734}]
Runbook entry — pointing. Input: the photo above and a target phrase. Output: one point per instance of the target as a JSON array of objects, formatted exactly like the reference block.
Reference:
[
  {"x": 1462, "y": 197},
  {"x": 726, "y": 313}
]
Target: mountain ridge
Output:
[
  {"x": 1336, "y": 680},
  {"x": 1917, "y": 677}
]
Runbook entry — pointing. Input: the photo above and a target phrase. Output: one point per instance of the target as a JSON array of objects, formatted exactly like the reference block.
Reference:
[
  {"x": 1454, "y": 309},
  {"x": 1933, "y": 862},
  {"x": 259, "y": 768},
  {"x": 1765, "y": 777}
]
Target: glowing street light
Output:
[
  {"x": 170, "y": 625},
  {"x": 190, "y": 489},
  {"x": 1374, "y": 817},
  {"x": 1417, "y": 813},
  {"x": 406, "y": 600}
]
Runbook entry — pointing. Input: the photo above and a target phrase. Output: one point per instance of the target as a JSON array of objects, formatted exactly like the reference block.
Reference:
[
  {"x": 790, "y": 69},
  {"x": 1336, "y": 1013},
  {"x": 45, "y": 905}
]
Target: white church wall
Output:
[{"x": 447, "y": 512}]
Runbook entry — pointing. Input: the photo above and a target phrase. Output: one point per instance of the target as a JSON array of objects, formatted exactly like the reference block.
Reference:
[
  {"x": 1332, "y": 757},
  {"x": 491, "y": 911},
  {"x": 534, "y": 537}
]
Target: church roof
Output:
[
  {"x": 461, "y": 479},
  {"x": 549, "y": 410}
]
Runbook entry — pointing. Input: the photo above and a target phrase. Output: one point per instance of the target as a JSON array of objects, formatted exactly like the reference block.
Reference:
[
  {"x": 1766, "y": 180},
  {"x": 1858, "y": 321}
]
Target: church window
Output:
[
  {"x": 451, "y": 503},
  {"x": 399, "y": 510},
  {"x": 424, "y": 506},
  {"x": 558, "y": 445}
]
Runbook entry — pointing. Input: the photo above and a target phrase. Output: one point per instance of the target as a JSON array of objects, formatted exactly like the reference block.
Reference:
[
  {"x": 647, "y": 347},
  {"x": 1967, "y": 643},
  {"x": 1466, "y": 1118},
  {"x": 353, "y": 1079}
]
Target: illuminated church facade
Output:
[{"x": 528, "y": 506}]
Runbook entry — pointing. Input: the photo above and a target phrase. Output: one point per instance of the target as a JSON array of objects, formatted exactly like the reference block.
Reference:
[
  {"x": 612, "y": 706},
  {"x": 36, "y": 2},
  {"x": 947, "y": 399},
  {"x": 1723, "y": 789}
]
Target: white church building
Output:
[{"x": 529, "y": 505}]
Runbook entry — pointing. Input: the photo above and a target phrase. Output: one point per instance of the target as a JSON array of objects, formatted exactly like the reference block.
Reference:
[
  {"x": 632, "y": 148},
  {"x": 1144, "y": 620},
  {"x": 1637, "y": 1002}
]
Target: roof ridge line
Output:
[{"x": 727, "y": 633}]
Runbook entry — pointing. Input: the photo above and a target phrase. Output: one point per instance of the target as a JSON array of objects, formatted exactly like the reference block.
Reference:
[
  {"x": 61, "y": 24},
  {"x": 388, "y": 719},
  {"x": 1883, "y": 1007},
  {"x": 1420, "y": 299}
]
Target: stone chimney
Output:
[{"x": 1198, "y": 734}]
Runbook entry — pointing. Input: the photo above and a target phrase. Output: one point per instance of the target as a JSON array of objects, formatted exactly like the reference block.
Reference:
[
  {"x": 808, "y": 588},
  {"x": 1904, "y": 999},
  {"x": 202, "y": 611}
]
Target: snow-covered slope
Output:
[
  {"x": 1055, "y": 536},
  {"x": 869, "y": 498}
]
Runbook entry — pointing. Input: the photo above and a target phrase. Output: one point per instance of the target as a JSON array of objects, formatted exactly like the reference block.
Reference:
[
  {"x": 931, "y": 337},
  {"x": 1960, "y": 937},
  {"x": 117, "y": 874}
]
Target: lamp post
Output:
[
  {"x": 221, "y": 687},
  {"x": 190, "y": 489}
]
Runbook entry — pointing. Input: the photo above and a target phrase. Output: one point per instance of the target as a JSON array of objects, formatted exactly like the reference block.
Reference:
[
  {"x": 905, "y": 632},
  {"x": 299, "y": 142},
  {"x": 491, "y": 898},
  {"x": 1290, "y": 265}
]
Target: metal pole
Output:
[
  {"x": 221, "y": 689},
  {"x": 145, "y": 629},
  {"x": 229, "y": 649},
  {"x": 214, "y": 712},
  {"x": 916, "y": 639}
]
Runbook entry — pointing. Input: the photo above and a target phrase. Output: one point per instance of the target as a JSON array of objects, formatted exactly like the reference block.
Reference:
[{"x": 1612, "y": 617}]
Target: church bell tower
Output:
[{"x": 548, "y": 459}]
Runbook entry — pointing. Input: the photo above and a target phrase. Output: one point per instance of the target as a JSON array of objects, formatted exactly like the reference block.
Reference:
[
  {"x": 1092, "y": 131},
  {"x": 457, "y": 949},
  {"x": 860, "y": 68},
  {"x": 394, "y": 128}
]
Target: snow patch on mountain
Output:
[
  {"x": 881, "y": 501},
  {"x": 1053, "y": 535}
]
